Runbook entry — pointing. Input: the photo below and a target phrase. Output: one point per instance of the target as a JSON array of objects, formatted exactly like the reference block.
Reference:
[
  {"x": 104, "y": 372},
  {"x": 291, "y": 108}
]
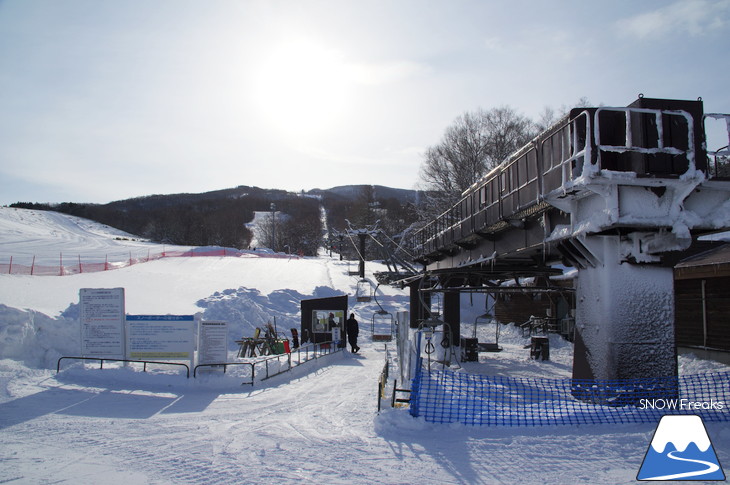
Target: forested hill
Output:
[{"x": 220, "y": 217}]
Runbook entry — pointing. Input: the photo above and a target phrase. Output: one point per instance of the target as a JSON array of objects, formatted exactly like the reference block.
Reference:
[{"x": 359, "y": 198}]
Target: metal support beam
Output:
[
  {"x": 420, "y": 303},
  {"x": 452, "y": 316},
  {"x": 361, "y": 269}
]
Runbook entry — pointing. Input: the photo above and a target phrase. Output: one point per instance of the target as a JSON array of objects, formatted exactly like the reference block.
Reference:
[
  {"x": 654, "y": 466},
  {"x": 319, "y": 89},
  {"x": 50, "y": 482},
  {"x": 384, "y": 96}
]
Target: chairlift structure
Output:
[
  {"x": 436, "y": 304},
  {"x": 571, "y": 195},
  {"x": 385, "y": 246}
]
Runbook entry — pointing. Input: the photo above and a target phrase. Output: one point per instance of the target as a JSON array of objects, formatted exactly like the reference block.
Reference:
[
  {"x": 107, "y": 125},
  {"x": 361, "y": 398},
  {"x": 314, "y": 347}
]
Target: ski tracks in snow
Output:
[{"x": 307, "y": 428}]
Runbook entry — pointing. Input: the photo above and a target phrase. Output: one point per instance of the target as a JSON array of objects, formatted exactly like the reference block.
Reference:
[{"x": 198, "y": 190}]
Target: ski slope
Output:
[
  {"x": 316, "y": 424},
  {"x": 46, "y": 235}
]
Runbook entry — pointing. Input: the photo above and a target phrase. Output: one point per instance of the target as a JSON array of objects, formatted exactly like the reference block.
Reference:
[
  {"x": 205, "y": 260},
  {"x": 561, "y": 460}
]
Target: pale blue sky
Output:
[{"x": 105, "y": 100}]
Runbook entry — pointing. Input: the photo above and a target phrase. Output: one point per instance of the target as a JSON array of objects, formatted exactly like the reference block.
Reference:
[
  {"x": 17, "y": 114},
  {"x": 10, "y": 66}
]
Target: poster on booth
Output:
[
  {"x": 212, "y": 343},
  {"x": 101, "y": 315},
  {"x": 324, "y": 321},
  {"x": 160, "y": 337}
]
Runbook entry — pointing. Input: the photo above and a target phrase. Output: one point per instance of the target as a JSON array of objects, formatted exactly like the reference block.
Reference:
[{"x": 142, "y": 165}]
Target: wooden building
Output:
[
  {"x": 702, "y": 304},
  {"x": 549, "y": 299}
]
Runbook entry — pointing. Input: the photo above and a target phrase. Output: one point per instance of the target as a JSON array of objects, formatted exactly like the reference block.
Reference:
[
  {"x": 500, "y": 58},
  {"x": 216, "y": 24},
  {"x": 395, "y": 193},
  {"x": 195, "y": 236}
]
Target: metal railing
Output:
[
  {"x": 383, "y": 379},
  {"x": 719, "y": 158},
  {"x": 573, "y": 151},
  {"x": 225, "y": 367},
  {"x": 303, "y": 354},
  {"x": 655, "y": 142},
  {"x": 103, "y": 359},
  {"x": 316, "y": 350}
]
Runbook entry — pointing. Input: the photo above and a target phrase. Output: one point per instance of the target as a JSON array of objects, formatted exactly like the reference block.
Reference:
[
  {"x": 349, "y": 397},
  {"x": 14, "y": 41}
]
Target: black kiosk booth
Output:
[{"x": 320, "y": 316}]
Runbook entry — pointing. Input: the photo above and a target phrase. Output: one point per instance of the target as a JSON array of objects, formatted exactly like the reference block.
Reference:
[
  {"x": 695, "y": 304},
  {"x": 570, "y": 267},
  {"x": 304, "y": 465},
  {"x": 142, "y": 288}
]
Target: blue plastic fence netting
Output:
[{"x": 444, "y": 396}]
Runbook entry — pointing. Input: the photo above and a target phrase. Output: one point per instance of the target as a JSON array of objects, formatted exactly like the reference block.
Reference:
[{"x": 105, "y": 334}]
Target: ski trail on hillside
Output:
[{"x": 330, "y": 281}]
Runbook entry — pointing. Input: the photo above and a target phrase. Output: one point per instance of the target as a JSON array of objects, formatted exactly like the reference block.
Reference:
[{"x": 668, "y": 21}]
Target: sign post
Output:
[
  {"x": 213, "y": 343},
  {"x": 102, "y": 322},
  {"x": 161, "y": 337}
]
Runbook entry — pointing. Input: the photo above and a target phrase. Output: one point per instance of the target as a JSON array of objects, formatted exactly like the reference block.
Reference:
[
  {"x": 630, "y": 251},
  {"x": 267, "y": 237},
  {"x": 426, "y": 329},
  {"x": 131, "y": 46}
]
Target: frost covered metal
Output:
[{"x": 615, "y": 192}]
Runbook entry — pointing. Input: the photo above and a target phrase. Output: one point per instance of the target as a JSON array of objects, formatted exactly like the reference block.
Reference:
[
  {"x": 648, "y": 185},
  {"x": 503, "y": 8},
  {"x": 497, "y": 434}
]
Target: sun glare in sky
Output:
[
  {"x": 302, "y": 87},
  {"x": 255, "y": 90}
]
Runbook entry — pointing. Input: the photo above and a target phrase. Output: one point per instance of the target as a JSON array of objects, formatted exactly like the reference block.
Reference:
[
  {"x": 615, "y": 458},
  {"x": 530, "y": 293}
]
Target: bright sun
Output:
[{"x": 302, "y": 87}]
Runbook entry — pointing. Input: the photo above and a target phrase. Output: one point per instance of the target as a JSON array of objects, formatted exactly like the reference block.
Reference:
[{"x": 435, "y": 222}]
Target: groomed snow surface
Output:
[{"x": 316, "y": 424}]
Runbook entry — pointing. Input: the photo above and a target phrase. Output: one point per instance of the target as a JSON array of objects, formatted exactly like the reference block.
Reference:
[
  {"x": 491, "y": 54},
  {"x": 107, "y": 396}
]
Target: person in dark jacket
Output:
[{"x": 353, "y": 329}]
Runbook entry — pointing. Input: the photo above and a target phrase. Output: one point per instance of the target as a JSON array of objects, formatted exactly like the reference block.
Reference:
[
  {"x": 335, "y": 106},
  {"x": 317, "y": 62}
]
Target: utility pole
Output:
[
  {"x": 362, "y": 237},
  {"x": 273, "y": 227},
  {"x": 362, "y": 234}
]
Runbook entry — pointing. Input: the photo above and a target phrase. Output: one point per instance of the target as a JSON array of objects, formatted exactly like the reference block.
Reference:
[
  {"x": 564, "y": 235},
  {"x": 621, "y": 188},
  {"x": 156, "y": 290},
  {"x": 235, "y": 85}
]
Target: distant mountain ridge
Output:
[
  {"x": 380, "y": 191},
  {"x": 349, "y": 192},
  {"x": 221, "y": 217}
]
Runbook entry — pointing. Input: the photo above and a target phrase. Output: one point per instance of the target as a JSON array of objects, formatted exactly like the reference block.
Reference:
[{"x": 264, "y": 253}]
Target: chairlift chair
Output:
[
  {"x": 487, "y": 346},
  {"x": 350, "y": 271},
  {"x": 382, "y": 318},
  {"x": 362, "y": 293}
]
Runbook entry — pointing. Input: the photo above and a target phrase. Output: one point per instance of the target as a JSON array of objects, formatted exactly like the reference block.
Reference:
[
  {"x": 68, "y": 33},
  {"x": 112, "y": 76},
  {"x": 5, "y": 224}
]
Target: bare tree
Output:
[
  {"x": 268, "y": 229},
  {"x": 302, "y": 234},
  {"x": 296, "y": 229},
  {"x": 547, "y": 117},
  {"x": 474, "y": 144}
]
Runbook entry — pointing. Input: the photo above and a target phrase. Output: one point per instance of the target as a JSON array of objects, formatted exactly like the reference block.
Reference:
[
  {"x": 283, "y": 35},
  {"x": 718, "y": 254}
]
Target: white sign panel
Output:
[
  {"x": 213, "y": 343},
  {"x": 160, "y": 337},
  {"x": 102, "y": 322}
]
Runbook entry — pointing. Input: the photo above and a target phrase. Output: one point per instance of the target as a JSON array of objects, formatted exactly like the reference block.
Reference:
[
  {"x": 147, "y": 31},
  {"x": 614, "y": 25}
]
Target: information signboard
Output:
[
  {"x": 101, "y": 315},
  {"x": 160, "y": 337},
  {"x": 213, "y": 343}
]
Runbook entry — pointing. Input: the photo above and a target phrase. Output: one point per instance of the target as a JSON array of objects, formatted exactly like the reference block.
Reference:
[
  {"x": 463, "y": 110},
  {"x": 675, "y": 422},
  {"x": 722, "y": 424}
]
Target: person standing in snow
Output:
[{"x": 353, "y": 329}]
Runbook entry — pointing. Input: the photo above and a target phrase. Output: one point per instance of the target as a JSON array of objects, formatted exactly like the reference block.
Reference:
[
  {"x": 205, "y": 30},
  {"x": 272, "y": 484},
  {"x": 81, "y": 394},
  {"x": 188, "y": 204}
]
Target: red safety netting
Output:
[{"x": 78, "y": 264}]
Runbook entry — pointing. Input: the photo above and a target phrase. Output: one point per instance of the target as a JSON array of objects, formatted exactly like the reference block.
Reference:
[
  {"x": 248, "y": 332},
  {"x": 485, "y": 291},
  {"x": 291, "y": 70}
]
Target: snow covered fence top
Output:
[
  {"x": 75, "y": 264},
  {"x": 444, "y": 396}
]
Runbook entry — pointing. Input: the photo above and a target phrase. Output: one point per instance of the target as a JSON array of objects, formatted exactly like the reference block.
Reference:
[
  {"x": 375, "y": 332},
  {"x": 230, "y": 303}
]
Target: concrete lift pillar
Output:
[{"x": 624, "y": 323}]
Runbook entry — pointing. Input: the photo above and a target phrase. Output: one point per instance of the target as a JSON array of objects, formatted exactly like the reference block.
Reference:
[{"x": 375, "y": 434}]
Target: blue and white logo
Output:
[{"x": 681, "y": 450}]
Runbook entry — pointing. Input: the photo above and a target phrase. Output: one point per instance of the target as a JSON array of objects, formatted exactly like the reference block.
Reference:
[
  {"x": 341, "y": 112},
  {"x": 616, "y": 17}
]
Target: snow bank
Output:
[
  {"x": 36, "y": 339},
  {"x": 245, "y": 309}
]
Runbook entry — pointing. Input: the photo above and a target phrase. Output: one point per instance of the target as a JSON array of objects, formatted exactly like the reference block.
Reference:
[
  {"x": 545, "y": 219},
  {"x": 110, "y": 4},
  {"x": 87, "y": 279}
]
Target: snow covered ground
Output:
[{"x": 315, "y": 424}]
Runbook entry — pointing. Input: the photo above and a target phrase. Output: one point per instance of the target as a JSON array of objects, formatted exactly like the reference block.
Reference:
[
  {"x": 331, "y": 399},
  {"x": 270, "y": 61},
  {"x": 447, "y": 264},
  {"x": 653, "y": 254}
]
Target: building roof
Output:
[{"x": 708, "y": 264}]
